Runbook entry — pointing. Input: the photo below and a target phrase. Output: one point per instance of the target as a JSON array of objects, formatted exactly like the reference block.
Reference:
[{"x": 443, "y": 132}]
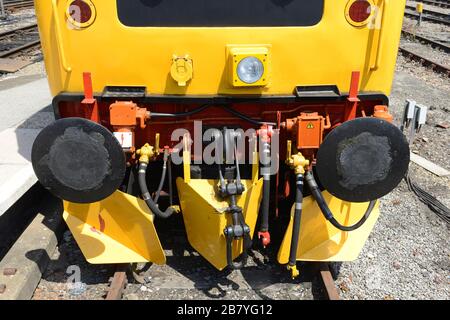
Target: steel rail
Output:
[
  {"x": 118, "y": 283},
  {"x": 432, "y": 43},
  {"x": 437, "y": 14},
  {"x": 436, "y": 3},
  {"x": 13, "y": 31},
  {"x": 11, "y": 6},
  {"x": 439, "y": 68},
  {"x": 27, "y": 45},
  {"x": 426, "y": 17},
  {"x": 328, "y": 281}
]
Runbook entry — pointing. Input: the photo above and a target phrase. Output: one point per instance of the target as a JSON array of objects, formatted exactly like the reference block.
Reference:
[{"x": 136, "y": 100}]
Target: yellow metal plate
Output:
[
  {"x": 205, "y": 218},
  {"x": 118, "y": 229},
  {"x": 320, "y": 240},
  {"x": 325, "y": 53}
]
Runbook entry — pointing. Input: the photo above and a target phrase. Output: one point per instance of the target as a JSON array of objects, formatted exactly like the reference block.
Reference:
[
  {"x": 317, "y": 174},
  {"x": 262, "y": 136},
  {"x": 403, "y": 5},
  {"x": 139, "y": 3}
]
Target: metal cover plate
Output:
[
  {"x": 78, "y": 160},
  {"x": 363, "y": 159}
]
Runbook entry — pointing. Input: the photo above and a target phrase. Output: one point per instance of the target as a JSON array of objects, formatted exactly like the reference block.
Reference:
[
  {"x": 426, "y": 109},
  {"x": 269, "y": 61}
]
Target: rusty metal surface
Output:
[
  {"x": 432, "y": 43},
  {"x": 118, "y": 283},
  {"x": 13, "y": 65},
  {"x": 425, "y": 62},
  {"x": 13, "y": 31},
  {"x": 430, "y": 16},
  {"x": 328, "y": 282},
  {"x": 13, "y": 6},
  {"x": 18, "y": 40},
  {"x": 9, "y": 271}
]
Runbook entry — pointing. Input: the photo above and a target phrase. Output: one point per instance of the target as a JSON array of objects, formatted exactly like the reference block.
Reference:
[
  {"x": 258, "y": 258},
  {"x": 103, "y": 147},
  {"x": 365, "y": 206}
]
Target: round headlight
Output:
[{"x": 250, "y": 70}]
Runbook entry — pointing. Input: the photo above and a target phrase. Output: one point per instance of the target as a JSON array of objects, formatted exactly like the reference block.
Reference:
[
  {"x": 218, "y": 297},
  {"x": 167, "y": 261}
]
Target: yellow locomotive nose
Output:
[{"x": 309, "y": 72}]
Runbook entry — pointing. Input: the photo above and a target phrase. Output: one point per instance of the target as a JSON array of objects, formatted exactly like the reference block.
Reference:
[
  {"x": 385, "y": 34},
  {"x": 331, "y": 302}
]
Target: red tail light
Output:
[
  {"x": 80, "y": 11},
  {"x": 360, "y": 11}
]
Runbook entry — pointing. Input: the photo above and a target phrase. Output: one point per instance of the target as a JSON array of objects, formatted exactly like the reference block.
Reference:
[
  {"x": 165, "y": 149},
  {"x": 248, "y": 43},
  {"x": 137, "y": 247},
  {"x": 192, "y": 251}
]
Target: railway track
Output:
[
  {"x": 433, "y": 13},
  {"x": 439, "y": 68},
  {"x": 430, "y": 42},
  {"x": 12, "y": 6},
  {"x": 431, "y": 16},
  {"x": 441, "y": 4},
  {"x": 328, "y": 281},
  {"x": 18, "y": 41},
  {"x": 119, "y": 282}
]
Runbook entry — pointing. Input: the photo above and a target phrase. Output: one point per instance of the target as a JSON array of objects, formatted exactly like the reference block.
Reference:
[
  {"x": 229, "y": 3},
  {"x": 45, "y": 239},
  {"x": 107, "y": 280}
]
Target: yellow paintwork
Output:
[
  {"x": 237, "y": 54},
  {"x": 125, "y": 235},
  {"x": 205, "y": 219},
  {"x": 117, "y": 55},
  {"x": 182, "y": 70},
  {"x": 320, "y": 240}
]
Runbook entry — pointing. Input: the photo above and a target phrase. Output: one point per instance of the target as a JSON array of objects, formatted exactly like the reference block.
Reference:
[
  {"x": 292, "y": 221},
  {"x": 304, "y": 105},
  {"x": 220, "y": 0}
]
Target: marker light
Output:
[
  {"x": 250, "y": 70},
  {"x": 358, "y": 12},
  {"x": 80, "y": 13}
]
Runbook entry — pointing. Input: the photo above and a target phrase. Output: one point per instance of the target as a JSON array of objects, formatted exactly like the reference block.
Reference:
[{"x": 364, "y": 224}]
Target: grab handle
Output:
[
  {"x": 59, "y": 38},
  {"x": 379, "y": 32}
]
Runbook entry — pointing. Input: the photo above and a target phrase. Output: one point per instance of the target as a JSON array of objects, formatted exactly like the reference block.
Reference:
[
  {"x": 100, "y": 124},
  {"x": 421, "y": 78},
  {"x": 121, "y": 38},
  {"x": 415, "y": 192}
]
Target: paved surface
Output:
[
  {"x": 31, "y": 253},
  {"x": 24, "y": 105}
]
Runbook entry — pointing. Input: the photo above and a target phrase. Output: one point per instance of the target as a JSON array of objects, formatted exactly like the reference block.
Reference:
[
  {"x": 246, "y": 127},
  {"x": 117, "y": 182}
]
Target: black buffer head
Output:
[
  {"x": 78, "y": 160},
  {"x": 363, "y": 159}
]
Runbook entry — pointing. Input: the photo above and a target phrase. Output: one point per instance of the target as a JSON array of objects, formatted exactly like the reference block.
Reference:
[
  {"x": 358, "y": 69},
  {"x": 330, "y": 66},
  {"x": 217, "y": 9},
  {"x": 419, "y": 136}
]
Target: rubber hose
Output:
[
  {"x": 146, "y": 195},
  {"x": 317, "y": 194},
  {"x": 297, "y": 219},
  {"x": 163, "y": 176},
  {"x": 204, "y": 107},
  {"x": 169, "y": 171},
  {"x": 265, "y": 204},
  {"x": 181, "y": 114}
]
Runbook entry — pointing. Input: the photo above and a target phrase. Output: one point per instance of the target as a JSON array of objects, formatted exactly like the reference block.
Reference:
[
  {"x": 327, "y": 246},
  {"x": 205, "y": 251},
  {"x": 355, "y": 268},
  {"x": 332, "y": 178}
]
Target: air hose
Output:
[
  {"x": 264, "y": 234},
  {"x": 142, "y": 173},
  {"x": 265, "y": 204},
  {"x": 163, "y": 175},
  {"x": 297, "y": 219},
  {"x": 204, "y": 107},
  {"x": 317, "y": 194}
]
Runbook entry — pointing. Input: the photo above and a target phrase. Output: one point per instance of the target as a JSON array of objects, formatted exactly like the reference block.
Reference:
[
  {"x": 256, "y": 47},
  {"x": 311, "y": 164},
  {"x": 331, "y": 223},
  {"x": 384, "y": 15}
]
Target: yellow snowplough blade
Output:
[
  {"x": 118, "y": 229},
  {"x": 205, "y": 217},
  {"x": 319, "y": 240}
]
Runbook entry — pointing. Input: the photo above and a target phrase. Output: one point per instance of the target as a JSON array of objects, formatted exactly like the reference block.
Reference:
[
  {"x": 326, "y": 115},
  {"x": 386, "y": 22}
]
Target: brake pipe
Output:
[
  {"x": 317, "y": 195},
  {"x": 163, "y": 175},
  {"x": 206, "y": 106},
  {"x": 147, "y": 153},
  {"x": 263, "y": 234},
  {"x": 299, "y": 163},
  {"x": 296, "y": 226},
  {"x": 142, "y": 173}
]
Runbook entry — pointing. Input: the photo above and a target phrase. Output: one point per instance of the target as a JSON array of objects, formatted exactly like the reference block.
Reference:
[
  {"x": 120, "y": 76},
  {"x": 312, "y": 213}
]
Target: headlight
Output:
[{"x": 250, "y": 70}]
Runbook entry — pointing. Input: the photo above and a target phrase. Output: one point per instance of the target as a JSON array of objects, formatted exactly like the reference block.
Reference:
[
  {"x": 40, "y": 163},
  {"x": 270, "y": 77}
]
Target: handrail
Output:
[
  {"x": 59, "y": 38},
  {"x": 381, "y": 32}
]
